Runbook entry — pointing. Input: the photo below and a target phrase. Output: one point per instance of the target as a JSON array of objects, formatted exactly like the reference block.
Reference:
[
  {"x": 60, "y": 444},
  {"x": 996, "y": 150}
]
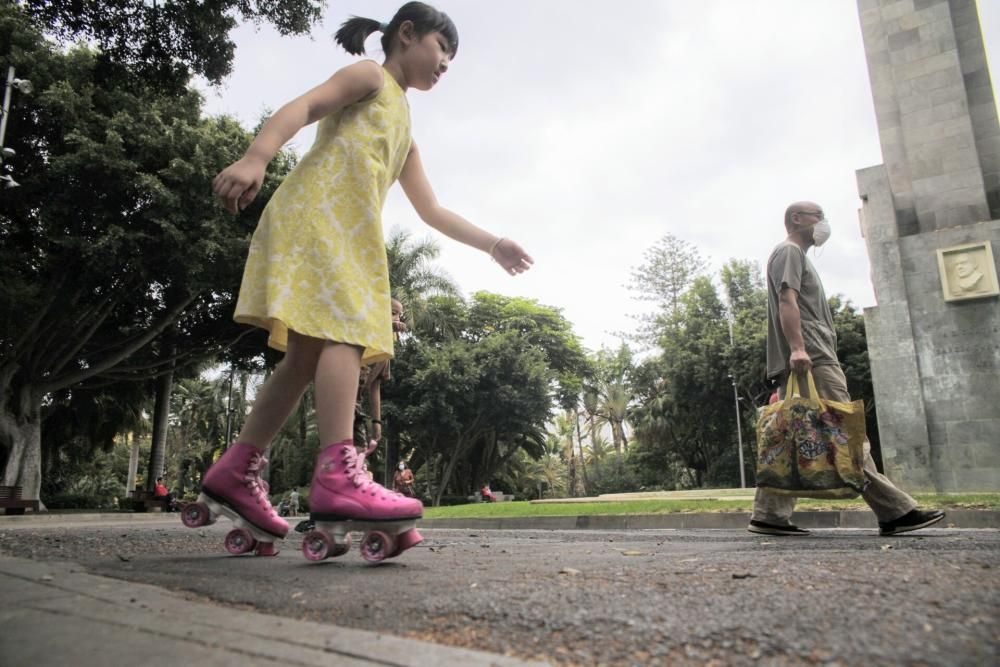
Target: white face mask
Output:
[
  {"x": 821, "y": 232},
  {"x": 402, "y": 466}
]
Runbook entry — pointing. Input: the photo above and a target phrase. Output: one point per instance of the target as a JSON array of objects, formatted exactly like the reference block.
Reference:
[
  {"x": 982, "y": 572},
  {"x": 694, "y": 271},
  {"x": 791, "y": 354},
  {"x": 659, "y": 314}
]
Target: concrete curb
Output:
[
  {"x": 84, "y": 517},
  {"x": 957, "y": 518},
  {"x": 58, "y": 615}
]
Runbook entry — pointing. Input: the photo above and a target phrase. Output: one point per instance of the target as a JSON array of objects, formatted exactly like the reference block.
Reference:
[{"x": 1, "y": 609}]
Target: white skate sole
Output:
[{"x": 217, "y": 509}]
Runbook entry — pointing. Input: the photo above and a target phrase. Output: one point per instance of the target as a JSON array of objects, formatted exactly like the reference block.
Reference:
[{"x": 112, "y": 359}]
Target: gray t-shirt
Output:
[{"x": 788, "y": 266}]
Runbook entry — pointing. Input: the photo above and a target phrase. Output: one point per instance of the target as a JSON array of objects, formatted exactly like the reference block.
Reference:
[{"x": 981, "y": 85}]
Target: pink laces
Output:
[
  {"x": 358, "y": 471},
  {"x": 254, "y": 484}
]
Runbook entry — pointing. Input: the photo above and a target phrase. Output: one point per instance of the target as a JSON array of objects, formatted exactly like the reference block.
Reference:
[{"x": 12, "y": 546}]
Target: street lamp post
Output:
[
  {"x": 739, "y": 425},
  {"x": 24, "y": 86},
  {"x": 739, "y": 436}
]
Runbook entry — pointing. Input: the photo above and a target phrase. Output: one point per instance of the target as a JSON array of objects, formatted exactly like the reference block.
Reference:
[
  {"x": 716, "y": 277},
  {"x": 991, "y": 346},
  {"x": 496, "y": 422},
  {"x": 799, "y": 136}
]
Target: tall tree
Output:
[
  {"x": 477, "y": 383},
  {"x": 689, "y": 412},
  {"x": 668, "y": 269},
  {"x": 112, "y": 254},
  {"x": 746, "y": 299}
]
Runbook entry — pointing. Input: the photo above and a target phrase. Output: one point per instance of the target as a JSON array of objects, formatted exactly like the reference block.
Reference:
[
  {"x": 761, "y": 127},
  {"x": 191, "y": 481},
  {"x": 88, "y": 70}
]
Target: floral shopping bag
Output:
[{"x": 811, "y": 447}]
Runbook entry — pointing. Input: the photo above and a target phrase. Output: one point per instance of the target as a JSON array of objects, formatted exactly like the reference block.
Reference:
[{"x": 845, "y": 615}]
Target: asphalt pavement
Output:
[{"x": 150, "y": 590}]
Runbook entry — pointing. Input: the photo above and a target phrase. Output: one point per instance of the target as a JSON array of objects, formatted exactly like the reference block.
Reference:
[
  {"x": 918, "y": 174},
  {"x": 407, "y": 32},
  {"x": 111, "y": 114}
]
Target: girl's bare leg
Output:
[
  {"x": 280, "y": 393},
  {"x": 336, "y": 391}
]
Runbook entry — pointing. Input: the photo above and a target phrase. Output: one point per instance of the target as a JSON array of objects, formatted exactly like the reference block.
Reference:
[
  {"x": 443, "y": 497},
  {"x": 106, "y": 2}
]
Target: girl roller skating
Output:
[{"x": 316, "y": 278}]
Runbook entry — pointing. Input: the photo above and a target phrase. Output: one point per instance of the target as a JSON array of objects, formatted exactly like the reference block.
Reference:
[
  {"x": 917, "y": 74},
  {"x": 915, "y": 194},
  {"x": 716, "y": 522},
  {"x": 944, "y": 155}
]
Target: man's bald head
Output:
[{"x": 812, "y": 209}]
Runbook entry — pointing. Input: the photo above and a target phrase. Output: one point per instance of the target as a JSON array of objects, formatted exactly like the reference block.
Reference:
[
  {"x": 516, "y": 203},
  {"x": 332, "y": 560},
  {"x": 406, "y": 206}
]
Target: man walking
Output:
[{"x": 801, "y": 337}]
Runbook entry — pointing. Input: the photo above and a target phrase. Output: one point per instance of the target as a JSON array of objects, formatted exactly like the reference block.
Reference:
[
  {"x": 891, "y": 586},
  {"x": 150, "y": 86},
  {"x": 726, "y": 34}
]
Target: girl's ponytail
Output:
[
  {"x": 353, "y": 33},
  {"x": 425, "y": 19}
]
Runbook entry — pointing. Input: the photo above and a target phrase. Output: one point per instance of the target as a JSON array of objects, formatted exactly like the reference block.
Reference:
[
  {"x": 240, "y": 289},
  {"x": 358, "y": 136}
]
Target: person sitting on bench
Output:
[{"x": 160, "y": 493}]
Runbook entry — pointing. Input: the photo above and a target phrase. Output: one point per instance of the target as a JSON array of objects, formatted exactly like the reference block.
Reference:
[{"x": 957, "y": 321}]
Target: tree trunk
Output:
[
  {"x": 24, "y": 461},
  {"x": 391, "y": 458},
  {"x": 583, "y": 457},
  {"x": 21, "y": 433},
  {"x": 241, "y": 415},
  {"x": 446, "y": 475},
  {"x": 182, "y": 476},
  {"x": 161, "y": 415},
  {"x": 133, "y": 464}
]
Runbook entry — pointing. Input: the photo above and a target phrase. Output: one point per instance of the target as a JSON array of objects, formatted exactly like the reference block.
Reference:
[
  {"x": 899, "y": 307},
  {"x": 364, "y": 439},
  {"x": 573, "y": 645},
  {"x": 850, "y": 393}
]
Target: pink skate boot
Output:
[
  {"x": 233, "y": 488},
  {"x": 343, "y": 498}
]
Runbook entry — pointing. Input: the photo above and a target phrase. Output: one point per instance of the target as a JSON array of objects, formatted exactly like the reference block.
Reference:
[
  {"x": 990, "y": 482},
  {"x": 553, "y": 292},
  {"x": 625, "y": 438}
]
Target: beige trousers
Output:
[{"x": 885, "y": 500}]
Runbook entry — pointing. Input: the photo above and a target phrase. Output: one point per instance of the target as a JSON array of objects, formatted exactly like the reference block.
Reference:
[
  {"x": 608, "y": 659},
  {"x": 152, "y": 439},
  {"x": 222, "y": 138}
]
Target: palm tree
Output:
[
  {"x": 412, "y": 275},
  {"x": 577, "y": 418},
  {"x": 565, "y": 424},
  {"x": 597, "y": 450},
  {"x": 548, "y": 474},
  {"x": 614, "y": 408}
]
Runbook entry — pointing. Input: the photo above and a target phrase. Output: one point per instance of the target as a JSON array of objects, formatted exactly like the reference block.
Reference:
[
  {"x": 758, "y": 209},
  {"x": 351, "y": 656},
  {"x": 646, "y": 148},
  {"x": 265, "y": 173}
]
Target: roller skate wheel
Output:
[
  {"x": 316, "y": 545},
  {"x": 240, "y": 541},
  {"x": 376, "y": 546},
  {"x": 195, "y": 515}
]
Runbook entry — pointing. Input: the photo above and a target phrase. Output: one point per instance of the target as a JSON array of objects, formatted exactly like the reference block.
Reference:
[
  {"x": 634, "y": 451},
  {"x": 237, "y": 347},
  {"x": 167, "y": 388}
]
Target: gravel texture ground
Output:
[{"x": 708, "y": 597}]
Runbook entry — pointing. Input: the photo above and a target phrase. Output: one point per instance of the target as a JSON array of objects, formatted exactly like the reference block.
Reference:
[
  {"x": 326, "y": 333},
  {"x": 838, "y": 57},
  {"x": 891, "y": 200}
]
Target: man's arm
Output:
[{"x": 791, "y": 325}]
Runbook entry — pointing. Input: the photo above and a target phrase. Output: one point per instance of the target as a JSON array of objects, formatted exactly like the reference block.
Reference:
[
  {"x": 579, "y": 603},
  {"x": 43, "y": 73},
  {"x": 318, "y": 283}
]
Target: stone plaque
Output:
[{"x": 967, "y": 271}]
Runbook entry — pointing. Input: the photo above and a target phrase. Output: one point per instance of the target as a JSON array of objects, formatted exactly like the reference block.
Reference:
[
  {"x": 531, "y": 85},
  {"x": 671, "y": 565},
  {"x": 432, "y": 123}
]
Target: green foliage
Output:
[
  {"x": 613, "y": 474},
  {"x": 167, "y": 41},
  {"x": 414, "y": 277},
  {"x": 682, "y": 414},
  {"x": 475, "y": 385},
  {"x": 685, "y": 420},
  {"x": 852, "y": 352},
  {"x": 295, "y": 448},
  {"x": 95, "y": 481},
  {"x": 115, "y": 263}
]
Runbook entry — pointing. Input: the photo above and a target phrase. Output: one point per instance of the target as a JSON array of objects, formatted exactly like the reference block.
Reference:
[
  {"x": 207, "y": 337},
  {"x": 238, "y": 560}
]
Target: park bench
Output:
[
  {"x": 12, "y": 503},
  {"x": 501, "y": 497},
  {"x": 143, "y": 501}
]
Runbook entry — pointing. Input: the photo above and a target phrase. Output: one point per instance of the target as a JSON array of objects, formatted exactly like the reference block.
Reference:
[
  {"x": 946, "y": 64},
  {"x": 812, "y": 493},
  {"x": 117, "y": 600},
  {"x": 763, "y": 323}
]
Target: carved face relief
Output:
[{"x": 967, "y": 272}]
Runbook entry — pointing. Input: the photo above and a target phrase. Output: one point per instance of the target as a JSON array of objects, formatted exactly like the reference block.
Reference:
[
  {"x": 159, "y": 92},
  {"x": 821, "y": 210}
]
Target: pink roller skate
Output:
[
  {"x": 343, "y": 498},
  {"x": 233, "y": 488}
]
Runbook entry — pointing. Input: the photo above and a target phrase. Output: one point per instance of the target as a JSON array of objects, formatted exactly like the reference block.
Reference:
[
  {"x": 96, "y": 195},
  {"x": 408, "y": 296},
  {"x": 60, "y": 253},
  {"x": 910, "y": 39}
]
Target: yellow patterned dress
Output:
[{"x": 317, "y": 262}]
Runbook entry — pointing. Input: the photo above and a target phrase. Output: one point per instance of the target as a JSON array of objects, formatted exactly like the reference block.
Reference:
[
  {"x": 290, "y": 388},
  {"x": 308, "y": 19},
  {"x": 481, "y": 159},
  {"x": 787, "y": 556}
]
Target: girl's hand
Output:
[
  {"x": 239, "y": 183},
  {"x": 511, "y": 256}
]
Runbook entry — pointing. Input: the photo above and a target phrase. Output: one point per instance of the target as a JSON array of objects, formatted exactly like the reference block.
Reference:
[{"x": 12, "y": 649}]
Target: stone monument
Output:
[{"x": 931, "y": 220}]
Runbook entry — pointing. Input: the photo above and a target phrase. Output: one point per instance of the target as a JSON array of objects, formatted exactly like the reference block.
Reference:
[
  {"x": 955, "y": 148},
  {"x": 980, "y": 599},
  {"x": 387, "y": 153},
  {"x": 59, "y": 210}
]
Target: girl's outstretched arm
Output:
[
  {"x": 239, "y": 183},
  {"x": 507, "y": 253}
]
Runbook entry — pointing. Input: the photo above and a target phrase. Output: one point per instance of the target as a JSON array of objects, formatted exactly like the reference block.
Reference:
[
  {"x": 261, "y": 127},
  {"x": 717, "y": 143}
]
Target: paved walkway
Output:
[
  {"x": 53, "y": 614},
  {"x": 532, "y": 591}
]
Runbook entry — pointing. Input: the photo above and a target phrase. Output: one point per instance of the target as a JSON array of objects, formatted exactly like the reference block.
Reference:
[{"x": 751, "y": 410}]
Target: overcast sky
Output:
[{"x": 587, "y": 130}]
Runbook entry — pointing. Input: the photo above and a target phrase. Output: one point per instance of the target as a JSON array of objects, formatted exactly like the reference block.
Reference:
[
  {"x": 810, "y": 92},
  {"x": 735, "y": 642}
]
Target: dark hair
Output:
[{"x": 355, "y": 30}]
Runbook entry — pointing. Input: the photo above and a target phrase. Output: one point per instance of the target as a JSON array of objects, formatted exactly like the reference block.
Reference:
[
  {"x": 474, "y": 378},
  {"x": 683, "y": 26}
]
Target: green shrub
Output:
[{"x": 76, "y": 501}]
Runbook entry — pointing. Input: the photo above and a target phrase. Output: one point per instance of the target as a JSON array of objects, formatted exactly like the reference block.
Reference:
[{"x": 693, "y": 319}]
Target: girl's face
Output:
[{"x": 425, "y": 59}]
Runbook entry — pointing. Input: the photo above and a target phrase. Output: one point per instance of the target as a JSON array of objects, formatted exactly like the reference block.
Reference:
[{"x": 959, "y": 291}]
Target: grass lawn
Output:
[{"x": 989, "y": 501}]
